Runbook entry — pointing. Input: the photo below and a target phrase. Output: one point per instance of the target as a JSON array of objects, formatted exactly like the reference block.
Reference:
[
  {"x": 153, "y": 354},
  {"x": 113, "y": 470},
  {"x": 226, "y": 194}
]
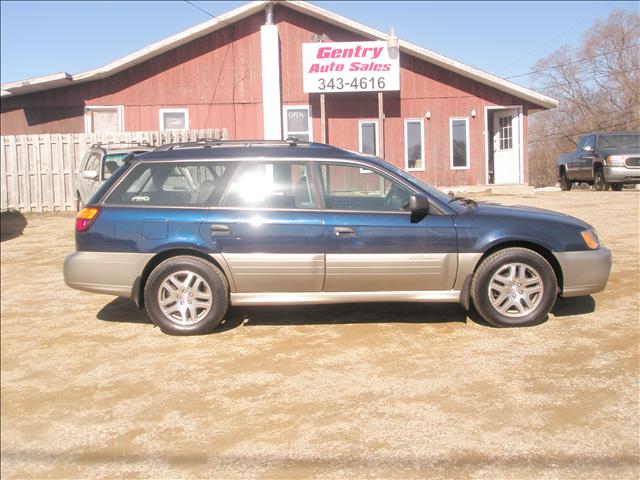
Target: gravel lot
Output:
[{"x": 91, "y": 389}]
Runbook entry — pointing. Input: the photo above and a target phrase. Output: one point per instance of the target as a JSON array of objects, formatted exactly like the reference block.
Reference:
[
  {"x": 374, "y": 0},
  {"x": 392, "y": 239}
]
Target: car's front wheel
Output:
[
  {"x": 514, "y": 287},
  {"x": 186, "y": 295},
  {"x": 616, "y": 187},
  {"x": 599, "y": 182}
]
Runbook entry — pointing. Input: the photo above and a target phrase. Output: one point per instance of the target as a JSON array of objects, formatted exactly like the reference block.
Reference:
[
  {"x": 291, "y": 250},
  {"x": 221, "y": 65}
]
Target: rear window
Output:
[{"x": 173, "y": 184}]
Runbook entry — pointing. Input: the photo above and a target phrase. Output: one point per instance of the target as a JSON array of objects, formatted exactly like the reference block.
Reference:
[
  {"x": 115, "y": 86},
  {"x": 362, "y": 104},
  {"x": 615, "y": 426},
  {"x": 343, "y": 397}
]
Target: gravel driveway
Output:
[{"x": 91, "y": 389}]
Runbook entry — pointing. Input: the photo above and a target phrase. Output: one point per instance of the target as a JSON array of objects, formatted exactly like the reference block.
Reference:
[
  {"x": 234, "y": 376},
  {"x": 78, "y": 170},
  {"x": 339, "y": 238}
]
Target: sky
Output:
[{"x": 504, "y": 38}]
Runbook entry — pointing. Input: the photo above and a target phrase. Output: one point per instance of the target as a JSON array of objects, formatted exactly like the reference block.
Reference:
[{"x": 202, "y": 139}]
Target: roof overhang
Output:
[{"x": 63, "y": 79}]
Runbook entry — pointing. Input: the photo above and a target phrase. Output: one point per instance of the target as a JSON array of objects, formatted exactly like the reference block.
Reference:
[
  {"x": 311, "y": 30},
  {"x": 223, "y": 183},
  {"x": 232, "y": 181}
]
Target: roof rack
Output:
[
  {"x": 143, "y": 143},
  {"x": 211, "y": 143}
]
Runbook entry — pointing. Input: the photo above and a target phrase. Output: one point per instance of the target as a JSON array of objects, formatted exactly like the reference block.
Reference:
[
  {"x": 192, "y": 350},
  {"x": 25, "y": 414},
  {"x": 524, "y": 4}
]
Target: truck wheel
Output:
[
  {"x": 186, "y": 295},
  {"x": 514, "y": 287},
  {"x": 616, "y": 187},
  {"x": 565, "y": 183},
  {"x": 599, "y": 183}
]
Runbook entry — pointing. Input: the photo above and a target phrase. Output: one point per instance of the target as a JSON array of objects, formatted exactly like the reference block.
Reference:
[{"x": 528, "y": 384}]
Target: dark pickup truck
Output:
[{"x": 603, "y": 160}]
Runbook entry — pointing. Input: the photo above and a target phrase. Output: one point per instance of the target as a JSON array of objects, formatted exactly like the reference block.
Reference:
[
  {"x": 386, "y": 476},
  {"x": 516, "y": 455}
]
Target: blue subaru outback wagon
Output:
[{"x": 189, "y": 229}]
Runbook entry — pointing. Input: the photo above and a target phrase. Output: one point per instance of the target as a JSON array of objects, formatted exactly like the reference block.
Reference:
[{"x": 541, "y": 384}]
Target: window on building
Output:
[
  {"x": 297, "y": 122},
  {"x": 351, "y": 187},
  {"x": 99, "y": 119},
  {"x": 414, "y": 144},
  {"x": 506, "y": 132},
  {"x": 459, "y": 131},
  {"x": 368, "y": 137},
  {"x": 174, "y": 119},
  {"x": 271, "y": 185}
]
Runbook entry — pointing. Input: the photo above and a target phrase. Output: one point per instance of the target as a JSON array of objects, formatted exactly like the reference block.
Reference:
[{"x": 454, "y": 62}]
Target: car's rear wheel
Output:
[
  {"x": 599, "y": 182},
  {"x": 565, "y": 183},
  {"x": 616, "y": 187},
  {"x": 514, "y": 287},
  {"x": 186, "y": 295}
]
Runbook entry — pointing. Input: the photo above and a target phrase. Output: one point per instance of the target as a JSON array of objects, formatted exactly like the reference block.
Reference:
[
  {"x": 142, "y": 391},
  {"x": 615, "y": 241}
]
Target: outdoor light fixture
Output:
[
  {"x": 392, "y": 43},
  {"x": 473, "y": 113},
  {"x": 428, "y": 115}
]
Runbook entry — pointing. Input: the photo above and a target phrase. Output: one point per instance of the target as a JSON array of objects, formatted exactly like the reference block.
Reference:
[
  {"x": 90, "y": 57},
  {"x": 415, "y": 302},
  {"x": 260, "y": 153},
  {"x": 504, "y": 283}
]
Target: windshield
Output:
[
  {"x": 112, "y": 161},
  {"x": 631, "y": 140},
  {"x": 434, "y": 192}
]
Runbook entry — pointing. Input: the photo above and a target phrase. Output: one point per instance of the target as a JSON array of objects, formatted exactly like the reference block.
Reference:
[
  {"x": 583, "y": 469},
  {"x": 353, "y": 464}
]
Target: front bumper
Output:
[
  {"x": 585, "y": 272},
  {"x": 111, "y": 273},
  {"x": 622, "y": 175}
]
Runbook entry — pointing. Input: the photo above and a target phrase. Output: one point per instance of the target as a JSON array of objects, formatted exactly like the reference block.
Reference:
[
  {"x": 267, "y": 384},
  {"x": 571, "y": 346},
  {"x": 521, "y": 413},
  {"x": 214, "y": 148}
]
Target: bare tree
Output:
[{"x": 598, "y": 85}]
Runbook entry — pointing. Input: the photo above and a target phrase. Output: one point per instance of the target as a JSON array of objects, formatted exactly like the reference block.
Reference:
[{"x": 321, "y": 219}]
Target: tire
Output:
[
  {"x": 493, "y": 289},
  {"x": 616, "y": 187},
  {"x": 177, "y": 282},
  {"x": 599, "y": 182},
  {"x": 565, "y": 183}
]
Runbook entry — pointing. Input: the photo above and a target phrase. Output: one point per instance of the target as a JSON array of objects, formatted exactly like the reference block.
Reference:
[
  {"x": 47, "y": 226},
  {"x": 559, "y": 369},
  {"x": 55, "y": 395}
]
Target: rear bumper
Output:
[
  {"x": 622, "y": 175},
  {"x": 111, "y": 273},
  {"x": 584, "y": 273}
]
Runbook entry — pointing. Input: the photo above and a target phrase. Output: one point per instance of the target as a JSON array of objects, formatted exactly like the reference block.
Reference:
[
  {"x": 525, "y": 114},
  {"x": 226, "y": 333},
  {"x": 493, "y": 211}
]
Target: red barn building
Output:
[{"x": 449, "y": 124}]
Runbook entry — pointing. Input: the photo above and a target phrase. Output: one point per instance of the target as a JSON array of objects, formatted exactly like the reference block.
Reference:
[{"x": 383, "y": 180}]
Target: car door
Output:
[
  {"x": 89, "y": 176},
  {"x": 268, "y": 228},
  {"x": 584, "y": 159},
  {"x": 372, "y": 245}
]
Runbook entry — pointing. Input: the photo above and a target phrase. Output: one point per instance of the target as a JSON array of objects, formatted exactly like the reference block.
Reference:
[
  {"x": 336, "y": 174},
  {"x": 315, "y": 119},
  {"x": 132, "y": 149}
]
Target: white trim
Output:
[
  {"x": 375, "y": 122},
  {"x": 162, "y": 111},
  {"x": 285, "y": 131},
  {"x": 487, "y": 139},
  {"x": 468, "y": 149},
  {"x": 87, "y": 116},
  {"x": 271, "y": 104},
  {"x": 52, "y": 81},
  {"x": 406, "y": 145}
]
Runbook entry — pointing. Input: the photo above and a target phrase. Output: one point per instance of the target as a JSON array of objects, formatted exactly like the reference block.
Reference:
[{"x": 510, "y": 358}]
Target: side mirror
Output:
[
  {"x": 90, "y": 174},
  {"x": 419, "y": 207},
  {"x": 587, "y": 148}
]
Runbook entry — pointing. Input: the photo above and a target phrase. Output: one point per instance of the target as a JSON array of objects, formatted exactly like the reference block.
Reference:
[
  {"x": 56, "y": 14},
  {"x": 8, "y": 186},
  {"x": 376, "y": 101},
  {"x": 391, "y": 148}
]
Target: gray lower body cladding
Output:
[{"x": 271, "y": 280}]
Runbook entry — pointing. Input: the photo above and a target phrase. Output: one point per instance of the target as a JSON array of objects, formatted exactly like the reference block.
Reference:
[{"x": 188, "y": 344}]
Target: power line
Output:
[
  {"x": 205, "y": 12},
  {"x": 572, "y": 62}
]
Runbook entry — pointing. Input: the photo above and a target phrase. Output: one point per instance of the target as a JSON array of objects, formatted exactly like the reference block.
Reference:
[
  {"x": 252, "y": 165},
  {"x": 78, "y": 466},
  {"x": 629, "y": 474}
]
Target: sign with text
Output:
[{"x": 349, "y": 67}]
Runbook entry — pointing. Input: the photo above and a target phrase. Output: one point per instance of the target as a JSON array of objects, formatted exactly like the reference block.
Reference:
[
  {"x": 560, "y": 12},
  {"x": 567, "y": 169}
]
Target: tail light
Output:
[{"x": 86, "y": 217}]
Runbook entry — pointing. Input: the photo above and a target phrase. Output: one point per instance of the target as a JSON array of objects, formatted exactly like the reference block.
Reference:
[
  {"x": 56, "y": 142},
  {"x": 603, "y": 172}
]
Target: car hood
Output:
[
  {"x": 524, "y": 214},
  {"x": 605, "y": 152}
]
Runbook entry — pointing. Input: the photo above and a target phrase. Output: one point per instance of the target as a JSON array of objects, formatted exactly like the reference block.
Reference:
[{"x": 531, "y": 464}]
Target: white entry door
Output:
[{"x": 506, "y": 146}]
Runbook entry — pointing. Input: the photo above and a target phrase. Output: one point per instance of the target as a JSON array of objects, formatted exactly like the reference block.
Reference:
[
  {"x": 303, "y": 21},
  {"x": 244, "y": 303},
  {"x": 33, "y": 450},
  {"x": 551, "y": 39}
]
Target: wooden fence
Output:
[{"x": 38, "y": 171}]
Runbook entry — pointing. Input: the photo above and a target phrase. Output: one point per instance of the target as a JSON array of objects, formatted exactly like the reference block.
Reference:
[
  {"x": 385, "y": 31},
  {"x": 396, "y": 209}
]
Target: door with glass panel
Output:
[
  {"x": 372, "y": 244},
  {"x": 506, "y": 147}
]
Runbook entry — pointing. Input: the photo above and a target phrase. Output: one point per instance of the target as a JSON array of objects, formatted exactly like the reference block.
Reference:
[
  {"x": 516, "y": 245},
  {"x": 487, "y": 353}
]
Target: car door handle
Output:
[
  {"x": 219, "y": 229},
  {"x": 344, "y": 232}
]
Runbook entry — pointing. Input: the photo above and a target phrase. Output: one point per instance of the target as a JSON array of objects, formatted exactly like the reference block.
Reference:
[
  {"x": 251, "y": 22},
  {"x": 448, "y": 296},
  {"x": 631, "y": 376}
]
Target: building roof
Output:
[{"x": 62, "y": 79}]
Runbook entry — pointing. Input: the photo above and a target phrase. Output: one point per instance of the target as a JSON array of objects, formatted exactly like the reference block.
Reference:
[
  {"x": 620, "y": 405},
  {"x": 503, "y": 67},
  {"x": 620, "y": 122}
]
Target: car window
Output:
[
  {"x": 93, "y": 163},
  {"x": 271, "y": 185},
  {"x": 350, "y": 187},
  {"x": 112, "y": 161},
  {"x": 164, "y": 184},
  {"x": 590, "y": 142}
]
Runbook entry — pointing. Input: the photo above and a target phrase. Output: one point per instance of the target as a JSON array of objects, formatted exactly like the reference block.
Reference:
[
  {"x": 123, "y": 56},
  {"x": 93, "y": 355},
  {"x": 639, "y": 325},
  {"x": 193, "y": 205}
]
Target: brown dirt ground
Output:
[{"x": 91, "y": 389}]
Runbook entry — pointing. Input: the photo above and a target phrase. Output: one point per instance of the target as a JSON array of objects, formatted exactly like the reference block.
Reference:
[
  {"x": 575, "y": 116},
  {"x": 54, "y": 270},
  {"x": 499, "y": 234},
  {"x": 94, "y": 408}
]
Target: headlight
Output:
[
  {"x": 615, "y": 160},
  {"x": 590, "y": 237}
]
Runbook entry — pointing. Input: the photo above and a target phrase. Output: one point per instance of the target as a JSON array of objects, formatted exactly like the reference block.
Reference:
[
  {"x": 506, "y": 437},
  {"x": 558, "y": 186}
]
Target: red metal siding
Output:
[{"x": 218, "y": 77}]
